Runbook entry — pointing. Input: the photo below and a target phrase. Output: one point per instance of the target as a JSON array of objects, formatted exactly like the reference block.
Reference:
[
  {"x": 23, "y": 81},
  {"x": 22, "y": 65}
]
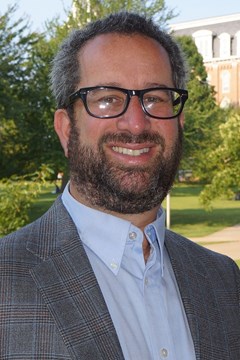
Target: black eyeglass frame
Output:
[{"x": 82, "y": 94}]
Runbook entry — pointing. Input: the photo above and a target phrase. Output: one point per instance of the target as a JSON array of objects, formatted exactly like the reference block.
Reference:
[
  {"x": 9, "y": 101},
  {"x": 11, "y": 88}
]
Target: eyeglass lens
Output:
[{"x": 106, "y": 102}]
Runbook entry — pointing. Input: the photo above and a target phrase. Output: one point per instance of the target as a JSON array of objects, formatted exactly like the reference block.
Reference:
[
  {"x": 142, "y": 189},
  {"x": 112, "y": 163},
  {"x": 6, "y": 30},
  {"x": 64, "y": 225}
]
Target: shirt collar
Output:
[{"x": 108, "y": 237}]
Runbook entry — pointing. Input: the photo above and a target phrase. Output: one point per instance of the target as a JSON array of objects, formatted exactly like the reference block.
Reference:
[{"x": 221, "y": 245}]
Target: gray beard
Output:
[{"x": 119, "y": 188}]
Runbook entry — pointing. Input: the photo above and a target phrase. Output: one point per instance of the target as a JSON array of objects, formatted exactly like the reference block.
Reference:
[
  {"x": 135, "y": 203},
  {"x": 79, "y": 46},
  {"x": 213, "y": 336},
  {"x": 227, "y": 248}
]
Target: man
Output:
[{"x": 98, "y": 276}]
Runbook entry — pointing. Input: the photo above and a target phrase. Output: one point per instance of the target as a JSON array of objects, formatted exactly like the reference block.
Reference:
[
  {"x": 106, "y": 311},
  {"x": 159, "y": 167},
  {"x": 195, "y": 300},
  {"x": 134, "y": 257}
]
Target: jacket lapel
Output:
[
  {"x": 71, "y": 292},
  {"x": 199, "y": 298}
]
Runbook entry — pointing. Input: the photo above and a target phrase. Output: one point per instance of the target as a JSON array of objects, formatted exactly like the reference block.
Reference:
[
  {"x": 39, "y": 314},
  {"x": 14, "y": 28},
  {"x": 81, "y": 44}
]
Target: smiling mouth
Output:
[{"x": 130, "y": 152}]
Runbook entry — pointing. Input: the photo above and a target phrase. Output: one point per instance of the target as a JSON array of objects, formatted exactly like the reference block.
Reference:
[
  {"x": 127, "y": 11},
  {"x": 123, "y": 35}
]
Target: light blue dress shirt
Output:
[{"x": 142, "y": 298}]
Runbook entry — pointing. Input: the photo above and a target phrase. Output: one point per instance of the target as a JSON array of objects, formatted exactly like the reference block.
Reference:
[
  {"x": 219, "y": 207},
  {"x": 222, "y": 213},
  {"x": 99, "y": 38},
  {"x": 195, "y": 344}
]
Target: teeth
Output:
[{"x": 130, "y": 152}]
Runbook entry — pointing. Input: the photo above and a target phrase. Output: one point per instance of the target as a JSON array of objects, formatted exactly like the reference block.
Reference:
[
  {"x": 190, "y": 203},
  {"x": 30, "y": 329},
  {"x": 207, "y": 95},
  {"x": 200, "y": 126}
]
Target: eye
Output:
[
  {"x": 110, "y": 102},
  {"x": 110, "y": 99},
  {"x": 153, "y": 99},
  {"x": 157, "y": 98}
]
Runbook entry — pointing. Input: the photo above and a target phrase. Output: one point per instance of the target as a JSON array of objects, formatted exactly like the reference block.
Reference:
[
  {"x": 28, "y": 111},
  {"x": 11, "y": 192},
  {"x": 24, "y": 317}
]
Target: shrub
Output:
[{"x": 16, "y": 196}]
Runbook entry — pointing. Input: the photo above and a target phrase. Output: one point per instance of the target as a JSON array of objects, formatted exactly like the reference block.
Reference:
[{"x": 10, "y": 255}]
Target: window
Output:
[
  {"x": 225, "y": 45},
  {"x": 203, "y": 40},
  {"x": 225, "y": 77},
  {"x": 238, "y": 43}
]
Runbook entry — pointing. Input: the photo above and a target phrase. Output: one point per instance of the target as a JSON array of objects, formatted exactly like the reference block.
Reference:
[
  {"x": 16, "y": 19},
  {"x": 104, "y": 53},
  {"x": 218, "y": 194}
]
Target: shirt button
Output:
[
  {"x": 132, "y": 235},
  {"x": 114, "y": 265},
  {"x": 146, "y": 281},
  {"x": 164, "y": 353}
]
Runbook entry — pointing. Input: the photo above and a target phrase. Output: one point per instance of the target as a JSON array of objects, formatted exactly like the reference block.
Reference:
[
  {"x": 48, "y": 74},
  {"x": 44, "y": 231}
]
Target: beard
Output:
[{"x": 120, "y": 188}]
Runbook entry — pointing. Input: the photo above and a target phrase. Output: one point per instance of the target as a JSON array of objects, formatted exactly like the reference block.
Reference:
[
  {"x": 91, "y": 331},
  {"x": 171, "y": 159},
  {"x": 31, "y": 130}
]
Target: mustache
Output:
[{"x": 126, "y": 138}]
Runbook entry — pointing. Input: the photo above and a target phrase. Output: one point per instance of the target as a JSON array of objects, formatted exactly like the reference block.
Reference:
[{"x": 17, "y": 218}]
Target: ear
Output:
[
  {"x": 62, "y": 127},
  {"x": 182, "y": 119}
]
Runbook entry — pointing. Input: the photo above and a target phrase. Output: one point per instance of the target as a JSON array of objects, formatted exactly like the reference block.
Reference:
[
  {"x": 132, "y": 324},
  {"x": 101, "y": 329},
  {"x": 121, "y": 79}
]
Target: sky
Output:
[{"x": 39, "y": 11}]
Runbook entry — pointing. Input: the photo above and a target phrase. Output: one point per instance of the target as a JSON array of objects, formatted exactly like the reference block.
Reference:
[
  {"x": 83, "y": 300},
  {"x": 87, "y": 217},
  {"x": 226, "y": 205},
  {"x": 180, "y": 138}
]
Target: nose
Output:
[{"x": 134, "y": 120}]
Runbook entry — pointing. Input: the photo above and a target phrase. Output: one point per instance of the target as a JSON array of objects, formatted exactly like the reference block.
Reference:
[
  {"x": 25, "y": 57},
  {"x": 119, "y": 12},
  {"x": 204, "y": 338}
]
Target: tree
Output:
[
  {"x": 202, "y": 115},
  {"x": 40, "y": 139},
  {"x": 15, "y": 45},
  {"x": 89, "y": 10},
  {"x": 27, "y": 137},
  {"x": 225, "y": 162}
]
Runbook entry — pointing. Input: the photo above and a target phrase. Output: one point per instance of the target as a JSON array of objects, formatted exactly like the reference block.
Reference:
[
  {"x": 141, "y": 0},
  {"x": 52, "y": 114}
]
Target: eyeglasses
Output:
[{"x": 106, "y": 102}]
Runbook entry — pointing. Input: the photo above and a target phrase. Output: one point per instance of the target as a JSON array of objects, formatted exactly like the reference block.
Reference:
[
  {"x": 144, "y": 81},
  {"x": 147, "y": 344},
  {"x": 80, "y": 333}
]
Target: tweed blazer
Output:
[{"x": 51, "y": 306}]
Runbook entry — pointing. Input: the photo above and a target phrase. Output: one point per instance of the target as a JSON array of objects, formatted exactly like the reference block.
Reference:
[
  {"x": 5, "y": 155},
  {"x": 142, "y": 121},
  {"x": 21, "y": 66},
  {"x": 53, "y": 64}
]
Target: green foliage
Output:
[
  {"x": 27, "y": 137},
  {"x": 16, "y": 196},
  {"x": 16, "y": 45},
  {"x": 194, "y": 58},
  {"x": 86, "y": 11},
  {"x": 40, "y": 139},
  {"x": 224, "y": 162},
  {"x": 202, "y": 115}
]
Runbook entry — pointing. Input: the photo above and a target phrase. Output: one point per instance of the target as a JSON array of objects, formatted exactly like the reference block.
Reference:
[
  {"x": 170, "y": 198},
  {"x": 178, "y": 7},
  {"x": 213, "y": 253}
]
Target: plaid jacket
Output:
[{"x": 51, "y": 306}]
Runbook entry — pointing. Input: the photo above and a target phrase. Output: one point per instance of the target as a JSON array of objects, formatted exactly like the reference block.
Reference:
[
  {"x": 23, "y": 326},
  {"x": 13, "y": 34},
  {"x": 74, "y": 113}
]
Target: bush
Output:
[{"x": 16, "y": 196}]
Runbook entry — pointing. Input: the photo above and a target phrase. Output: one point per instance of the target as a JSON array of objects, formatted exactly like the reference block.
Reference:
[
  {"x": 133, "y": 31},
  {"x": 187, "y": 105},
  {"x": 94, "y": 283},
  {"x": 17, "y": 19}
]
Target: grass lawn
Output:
[
  {"x": 187, "y": 216},
  {"x": 44, "y": 201},
  {"x": 190, "y": 219}
]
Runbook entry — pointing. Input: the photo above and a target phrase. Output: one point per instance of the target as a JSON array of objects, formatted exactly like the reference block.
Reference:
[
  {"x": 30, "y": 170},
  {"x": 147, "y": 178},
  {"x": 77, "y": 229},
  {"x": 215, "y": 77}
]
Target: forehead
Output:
[{"x": 123, "y": 58}]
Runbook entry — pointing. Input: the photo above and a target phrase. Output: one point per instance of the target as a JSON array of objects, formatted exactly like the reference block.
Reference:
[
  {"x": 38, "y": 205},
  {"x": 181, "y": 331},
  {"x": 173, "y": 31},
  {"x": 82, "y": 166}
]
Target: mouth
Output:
[{"x": 130, "y": 152}]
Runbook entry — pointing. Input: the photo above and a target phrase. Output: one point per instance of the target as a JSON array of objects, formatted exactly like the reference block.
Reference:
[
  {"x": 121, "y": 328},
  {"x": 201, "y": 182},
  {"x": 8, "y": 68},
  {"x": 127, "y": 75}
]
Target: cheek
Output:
[
  {"x": 89, "y": 135},
  {"x": 168, "y": 129},
  {"x": 87, "y": 127},
  {"x": 92, "y": 129}
]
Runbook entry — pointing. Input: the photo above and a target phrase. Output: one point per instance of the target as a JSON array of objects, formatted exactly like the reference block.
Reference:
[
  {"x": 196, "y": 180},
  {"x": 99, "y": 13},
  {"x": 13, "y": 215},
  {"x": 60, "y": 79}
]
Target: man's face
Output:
[{"x": 125, "y": 164}]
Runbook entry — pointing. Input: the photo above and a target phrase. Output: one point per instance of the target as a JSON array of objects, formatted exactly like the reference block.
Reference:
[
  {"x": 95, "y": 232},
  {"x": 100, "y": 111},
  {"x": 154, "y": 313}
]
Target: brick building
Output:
[{"x": 218, "y": 40}]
